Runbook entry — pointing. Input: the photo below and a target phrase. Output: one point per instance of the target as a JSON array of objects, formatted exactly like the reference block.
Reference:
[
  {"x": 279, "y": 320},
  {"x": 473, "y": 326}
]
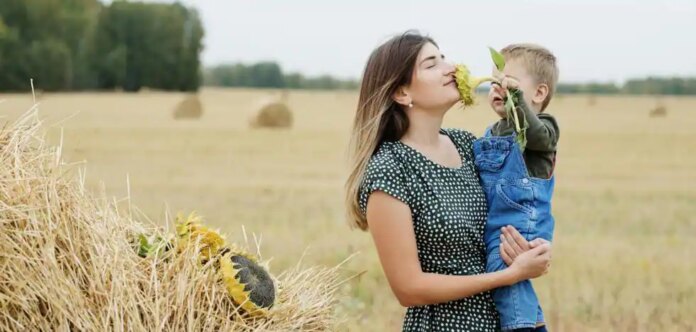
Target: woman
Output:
[{"x": 415, "y": 186}]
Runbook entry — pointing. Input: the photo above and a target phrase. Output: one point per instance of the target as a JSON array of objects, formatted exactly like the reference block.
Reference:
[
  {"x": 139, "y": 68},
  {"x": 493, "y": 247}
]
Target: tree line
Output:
[
  {"x": 650, "y": 85},
  {"x": 69, "y": 45},
  {"x": 87, "y": 45},
  {"x": 270, "y": 75}
]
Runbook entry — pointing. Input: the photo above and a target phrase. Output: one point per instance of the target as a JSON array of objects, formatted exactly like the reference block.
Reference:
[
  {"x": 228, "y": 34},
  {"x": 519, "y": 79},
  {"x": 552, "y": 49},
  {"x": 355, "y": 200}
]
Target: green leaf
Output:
[
  {"x": 144, "y": 248},
  {"x": 521, "y": 140},
  {"x": 521, "y": 131},
  {"x": 498, "y": 59},
  {"x": 509, "y": 104}
]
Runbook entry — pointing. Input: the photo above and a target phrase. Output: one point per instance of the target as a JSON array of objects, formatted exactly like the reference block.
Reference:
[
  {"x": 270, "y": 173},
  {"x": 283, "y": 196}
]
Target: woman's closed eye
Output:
[{"x": 431, "y": 61}]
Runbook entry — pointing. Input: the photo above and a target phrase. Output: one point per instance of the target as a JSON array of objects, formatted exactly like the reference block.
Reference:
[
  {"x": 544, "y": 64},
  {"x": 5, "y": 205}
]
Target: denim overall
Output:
[{"x": 516, "y": 199}]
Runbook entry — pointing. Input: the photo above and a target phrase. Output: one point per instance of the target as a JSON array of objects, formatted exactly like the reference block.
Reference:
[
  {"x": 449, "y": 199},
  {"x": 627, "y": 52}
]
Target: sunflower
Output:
[
  {"x": 248, "y": 283},
  {"x": 190, "y": 231},
  {"x": 467, "y": 85}
]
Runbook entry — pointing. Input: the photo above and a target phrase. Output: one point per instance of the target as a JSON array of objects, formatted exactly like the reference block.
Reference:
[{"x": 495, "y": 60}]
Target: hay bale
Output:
[
  {"x": 591, "y": 100},
  {"x": 69, "y": 261},
  {"x": 273, "y": 115},
  {"x": 660, "y": 110},
  {"x": 189, "y": 108}
]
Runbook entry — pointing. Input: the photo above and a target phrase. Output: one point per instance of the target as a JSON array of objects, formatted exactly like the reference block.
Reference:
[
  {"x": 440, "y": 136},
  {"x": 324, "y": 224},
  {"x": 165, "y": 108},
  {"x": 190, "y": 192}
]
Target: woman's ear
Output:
[
  {"x": 402, "y": 97},
  {"x": 542, "y": 91}
]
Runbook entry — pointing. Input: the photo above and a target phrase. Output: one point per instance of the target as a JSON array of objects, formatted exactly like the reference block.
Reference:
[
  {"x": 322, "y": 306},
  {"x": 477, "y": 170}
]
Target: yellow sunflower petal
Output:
[
  {"x": 467, "y": 85},
  {"x": 191, "y": 232},
  {"x": 250, "y": 285}
]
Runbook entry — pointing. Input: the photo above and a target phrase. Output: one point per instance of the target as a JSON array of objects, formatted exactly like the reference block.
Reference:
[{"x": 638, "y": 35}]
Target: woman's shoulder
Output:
[
  {"x": 388, "y": 160},
  {"x": 461, "y": 137},
  {"x": 386, "y": 171}
]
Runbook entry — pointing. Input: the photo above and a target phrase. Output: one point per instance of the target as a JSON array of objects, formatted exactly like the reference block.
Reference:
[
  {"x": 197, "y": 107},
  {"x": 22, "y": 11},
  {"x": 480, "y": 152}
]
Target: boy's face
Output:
[{"x": 515, "y": 69}]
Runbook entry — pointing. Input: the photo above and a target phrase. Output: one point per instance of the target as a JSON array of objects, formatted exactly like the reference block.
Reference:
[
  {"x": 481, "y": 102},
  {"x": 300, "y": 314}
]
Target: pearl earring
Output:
[{"x": 410, "y": 105}]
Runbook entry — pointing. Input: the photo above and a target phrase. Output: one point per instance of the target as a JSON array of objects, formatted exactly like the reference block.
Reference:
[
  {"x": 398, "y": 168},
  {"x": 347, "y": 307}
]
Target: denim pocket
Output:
[
  {"x": 518, "y": 195},
  {"x": 490, "y": 160}
]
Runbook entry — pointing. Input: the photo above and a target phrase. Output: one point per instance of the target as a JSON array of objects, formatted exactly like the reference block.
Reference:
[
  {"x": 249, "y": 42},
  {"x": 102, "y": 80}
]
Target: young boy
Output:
[{"x": 519, "y": 182}]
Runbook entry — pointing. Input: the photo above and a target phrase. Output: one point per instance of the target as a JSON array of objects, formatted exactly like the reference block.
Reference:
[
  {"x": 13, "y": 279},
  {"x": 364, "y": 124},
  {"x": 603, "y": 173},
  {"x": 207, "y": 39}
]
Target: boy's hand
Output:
[
  {"x": 506, "y": 82},
  {"x": 497, "y": 74},
  {"x": 498, "y": 91},
  {"x": 509, "y": 83}
]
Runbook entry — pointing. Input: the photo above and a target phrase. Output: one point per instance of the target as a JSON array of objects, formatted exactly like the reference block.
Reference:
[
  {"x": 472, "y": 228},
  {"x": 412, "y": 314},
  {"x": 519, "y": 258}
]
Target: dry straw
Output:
[{"x": 68, "y": 260}]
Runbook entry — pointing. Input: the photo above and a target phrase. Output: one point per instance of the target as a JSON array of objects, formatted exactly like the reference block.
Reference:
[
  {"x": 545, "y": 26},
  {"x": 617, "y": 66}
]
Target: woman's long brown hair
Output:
[{"x": 378, "y": 117}]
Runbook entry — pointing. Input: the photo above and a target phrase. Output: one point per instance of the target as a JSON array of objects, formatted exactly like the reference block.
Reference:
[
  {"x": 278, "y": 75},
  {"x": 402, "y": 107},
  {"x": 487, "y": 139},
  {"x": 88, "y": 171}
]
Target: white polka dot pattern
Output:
[{"x": 449, "y": 212}]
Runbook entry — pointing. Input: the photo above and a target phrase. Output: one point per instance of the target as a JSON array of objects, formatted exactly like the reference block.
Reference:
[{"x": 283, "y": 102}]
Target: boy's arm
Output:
[{"x": 542, "y": 133}]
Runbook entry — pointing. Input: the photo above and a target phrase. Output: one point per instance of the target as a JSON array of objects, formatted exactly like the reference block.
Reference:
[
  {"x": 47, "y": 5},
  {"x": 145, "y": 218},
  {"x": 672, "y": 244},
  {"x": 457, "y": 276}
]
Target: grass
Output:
[{"x": 625, "y": 200}]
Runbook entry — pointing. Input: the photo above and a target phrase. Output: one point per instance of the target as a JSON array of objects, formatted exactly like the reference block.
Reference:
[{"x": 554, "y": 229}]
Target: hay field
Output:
[{"x": 625, "y": 203}]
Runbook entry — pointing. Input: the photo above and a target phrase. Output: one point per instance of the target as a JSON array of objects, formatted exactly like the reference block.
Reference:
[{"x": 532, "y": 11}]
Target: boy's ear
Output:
[
  {"x": 402, "y": 97},
  {"x": 542, "y": 91}
]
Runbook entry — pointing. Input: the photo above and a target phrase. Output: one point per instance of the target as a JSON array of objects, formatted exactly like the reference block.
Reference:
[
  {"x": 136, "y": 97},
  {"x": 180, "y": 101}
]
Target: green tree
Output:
[
  {"x": 270, "y": 75},
  {"x": 266, "y": 75},
  {"x": 82, "y": 44},
  {"x": 50, "y": 64},
  {"x": 156, "y": 45},
  {"x": 39, "y": 33}
]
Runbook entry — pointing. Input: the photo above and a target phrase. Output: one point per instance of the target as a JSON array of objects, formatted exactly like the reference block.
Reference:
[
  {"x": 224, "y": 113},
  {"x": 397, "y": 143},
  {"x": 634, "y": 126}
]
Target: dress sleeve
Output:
[{"x": 387, "y": 176}]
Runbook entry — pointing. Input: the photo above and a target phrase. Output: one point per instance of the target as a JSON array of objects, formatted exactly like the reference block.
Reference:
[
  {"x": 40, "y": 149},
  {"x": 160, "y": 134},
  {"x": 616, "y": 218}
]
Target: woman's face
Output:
[{"x": 432, "y": 85}]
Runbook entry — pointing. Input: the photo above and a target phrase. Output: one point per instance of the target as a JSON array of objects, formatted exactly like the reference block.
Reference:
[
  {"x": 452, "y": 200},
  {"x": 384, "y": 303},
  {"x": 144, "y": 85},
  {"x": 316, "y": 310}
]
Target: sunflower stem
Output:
[{"x": 515, "y": 119}]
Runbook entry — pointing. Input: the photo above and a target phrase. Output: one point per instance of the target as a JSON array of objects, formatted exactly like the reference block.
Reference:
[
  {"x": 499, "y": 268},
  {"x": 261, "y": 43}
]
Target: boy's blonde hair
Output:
[{"x": 539, "y": 62}]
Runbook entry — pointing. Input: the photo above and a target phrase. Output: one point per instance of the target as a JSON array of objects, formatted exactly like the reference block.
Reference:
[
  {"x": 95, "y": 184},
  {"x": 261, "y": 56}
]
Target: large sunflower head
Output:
[
  {"x": 248, "y": 283},
  {"x": 466, "y": 84},
  {"x": 190, "y": 231}
]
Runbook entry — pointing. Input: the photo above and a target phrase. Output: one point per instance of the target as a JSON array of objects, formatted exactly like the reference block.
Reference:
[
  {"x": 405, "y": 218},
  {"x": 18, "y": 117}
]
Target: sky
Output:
[{"x": 607, "y": 41}]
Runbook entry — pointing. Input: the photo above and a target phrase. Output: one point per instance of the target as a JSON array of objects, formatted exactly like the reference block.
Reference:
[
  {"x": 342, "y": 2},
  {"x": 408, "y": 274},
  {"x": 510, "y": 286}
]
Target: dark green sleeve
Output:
[
  {"x": 387, "y": 175},
  {"x": 542, "y": 133}
]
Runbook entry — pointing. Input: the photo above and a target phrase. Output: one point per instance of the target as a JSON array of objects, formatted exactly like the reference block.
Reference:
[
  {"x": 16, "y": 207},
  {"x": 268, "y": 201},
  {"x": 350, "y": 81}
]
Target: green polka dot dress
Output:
[{"x": 448, "y": 209}]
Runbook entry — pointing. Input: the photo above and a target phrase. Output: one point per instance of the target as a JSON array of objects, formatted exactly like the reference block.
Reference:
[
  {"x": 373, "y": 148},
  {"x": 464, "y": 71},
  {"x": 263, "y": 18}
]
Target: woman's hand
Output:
[
  {"x": 513, "y": 244},
  {"x": 391, "y": 226},
  {"x": 533, "y": 263}
]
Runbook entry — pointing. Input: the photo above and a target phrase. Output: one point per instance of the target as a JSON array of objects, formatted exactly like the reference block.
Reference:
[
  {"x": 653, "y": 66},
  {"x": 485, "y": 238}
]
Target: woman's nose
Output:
[{"x": 449, "y": 68}]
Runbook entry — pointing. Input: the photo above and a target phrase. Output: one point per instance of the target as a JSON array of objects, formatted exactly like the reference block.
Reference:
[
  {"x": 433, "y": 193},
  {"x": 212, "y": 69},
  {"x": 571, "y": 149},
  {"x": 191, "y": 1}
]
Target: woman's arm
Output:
[{"x": 391, "y": 226}]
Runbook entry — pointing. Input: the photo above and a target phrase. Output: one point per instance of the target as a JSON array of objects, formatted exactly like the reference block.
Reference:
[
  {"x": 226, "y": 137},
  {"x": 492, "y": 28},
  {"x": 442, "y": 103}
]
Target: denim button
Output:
[{"x": 525, "y": 181}]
